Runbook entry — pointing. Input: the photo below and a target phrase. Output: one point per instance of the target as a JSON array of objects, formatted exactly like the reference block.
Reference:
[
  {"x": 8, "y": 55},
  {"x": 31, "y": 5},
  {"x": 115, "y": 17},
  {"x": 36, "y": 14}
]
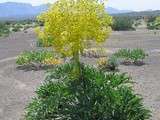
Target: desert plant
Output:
[
  {"x": 76, "y": 91},
  {"x": 154, "y": 23},
  {"x": 4, "y": 30},
  {"x": 123, "y": 53},
  {"x": 135, "y": 56},
  {"x": 96, "y": 96},
  {"x": 157, "y": 23},
  {"x": 31, "y": 57},
  {"x": 122, "y": 23},
  {"x": 108, "y": 64},
  {"x": 48, "y": 42},
  {"x": 113, "y": 63},
  {"x": 16, "y": 28},
  {"x": 74, "y": 25}
]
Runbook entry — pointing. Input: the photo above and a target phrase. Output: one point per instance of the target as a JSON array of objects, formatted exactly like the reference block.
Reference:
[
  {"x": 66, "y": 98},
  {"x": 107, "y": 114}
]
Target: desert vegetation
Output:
[
  {"x": 123, "y": 23},
  {"x": 75, "y": 90},
  {"x": 134, "y": 56},
  {"x": 77, "y": 62},
  {"x": 37, "y": 60},
  {"x": 4, "y": 31},
  {"x": 154, "y": 23},
  {"x": 7, "y": 27},
  {"x": 108, "y": 64}
]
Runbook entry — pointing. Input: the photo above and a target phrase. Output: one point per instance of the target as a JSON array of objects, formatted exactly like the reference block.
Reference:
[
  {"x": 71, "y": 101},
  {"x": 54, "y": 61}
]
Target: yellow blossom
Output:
[{"x": 74, "y": 22}]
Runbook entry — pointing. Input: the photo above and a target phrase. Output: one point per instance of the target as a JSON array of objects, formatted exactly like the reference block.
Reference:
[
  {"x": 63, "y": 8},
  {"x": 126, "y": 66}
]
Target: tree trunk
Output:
[{"x": 77, "y": 64}]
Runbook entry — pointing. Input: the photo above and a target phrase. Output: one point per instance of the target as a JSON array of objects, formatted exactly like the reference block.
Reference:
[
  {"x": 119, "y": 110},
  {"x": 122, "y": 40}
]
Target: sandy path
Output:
[
  {"x": 16, "y": 43},
  {"x": 16, "y": 86}
]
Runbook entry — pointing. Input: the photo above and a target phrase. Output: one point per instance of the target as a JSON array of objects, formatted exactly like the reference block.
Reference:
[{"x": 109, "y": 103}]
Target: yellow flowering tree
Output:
[{"x": 72, "y": 23}]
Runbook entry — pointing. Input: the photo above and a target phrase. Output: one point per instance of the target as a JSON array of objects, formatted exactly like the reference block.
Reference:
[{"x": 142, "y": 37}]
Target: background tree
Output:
[
  {"x": 72, "y": 23},
  {"x": 154, "y": 23},
  {"x": 122, "y": 23},
  {"x": 157, "y": 23}
]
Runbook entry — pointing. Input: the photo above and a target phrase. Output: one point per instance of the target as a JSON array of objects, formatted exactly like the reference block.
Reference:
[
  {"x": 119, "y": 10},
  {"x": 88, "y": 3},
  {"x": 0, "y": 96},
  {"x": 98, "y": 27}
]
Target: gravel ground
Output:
[
  {"x": 147, "y": 77},
  {"x": 17, "y": 86}
]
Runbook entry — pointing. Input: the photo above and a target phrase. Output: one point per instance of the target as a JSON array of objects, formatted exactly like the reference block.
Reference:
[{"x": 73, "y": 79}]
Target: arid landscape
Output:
[
  {"x": 17, "y": 86},
  {"x": 79, "y": 60}
]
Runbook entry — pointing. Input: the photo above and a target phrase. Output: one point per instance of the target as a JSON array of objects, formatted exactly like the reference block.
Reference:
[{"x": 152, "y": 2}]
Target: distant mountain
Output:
[
  {"x": 116, "y": 11},
  {"x": 148, "y": 13},
  {"x": 13, "y": 10}
]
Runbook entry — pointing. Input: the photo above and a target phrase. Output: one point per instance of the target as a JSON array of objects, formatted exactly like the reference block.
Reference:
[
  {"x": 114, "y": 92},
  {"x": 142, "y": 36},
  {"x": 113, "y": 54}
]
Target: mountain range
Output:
[{"x": 13, "y": 10}]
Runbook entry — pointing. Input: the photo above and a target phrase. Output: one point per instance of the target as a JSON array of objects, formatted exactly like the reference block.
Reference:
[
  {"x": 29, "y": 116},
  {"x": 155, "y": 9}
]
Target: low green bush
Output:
[
  {"x": 29, "y": 57},
  {"x": 45, "y": 43},
  {"x": 4, "y": 30},
  {"x": 108, "y": 64},
  {"x": 122, "y": 23},
  {"x": 113, "y": 63},
  {"x": 94, "y": 96},
  {"x": 123, "y": 53},
  {"x": 17, "y": 28},
  {"x": 135, "y": 56},
  {"x": 154, "y": 23}
]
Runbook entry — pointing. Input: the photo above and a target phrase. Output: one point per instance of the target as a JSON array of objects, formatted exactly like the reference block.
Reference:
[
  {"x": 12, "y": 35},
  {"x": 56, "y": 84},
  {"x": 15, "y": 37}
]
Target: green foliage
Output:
[
  {"x": 110, "y": 64},
  {"x": 15, "y": 26},
  {"x": 113, "y": 63},
  {"x": 95, "y": 96},
  {"x": 4, "y": 29},
  {"x": 135, "y": 56},
  {"x": 140, "y": 15},
  {"x": 157, "y": 23},
  {"x": 154, "y": 23},
  {"x": 48, "y": 42},
  {"x": 123, "y": 53},
  {"x": 122, "y": 23},
  {"x": 33, "y": 57}
]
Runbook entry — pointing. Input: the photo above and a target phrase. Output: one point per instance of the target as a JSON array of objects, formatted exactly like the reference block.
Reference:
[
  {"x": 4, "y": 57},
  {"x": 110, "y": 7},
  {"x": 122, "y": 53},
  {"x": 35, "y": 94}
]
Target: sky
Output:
[{"x": 137, "y": 5}]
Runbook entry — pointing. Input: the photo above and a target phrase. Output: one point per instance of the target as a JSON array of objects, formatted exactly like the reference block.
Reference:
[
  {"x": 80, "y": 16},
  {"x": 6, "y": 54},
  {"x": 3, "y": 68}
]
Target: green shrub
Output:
[
  {"x": 4, "y": 30},
  {"x": 28, "y": 57},
  {"x": 16, "y": 28},
  {"x": 113, "y": 63},
  {"x": 95, "y": 96},
  {"x": 122, "y": 23},
  {"x": 135, "y": 56},
  {"x": 45, "y": 43},
  {"x": 123, "y": 53},
  {"x": 154, "y": 23},
  {"x": 110, "y": 64}
]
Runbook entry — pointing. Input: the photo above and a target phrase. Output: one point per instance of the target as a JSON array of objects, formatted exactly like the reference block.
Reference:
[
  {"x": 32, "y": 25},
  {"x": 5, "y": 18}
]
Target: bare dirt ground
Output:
[
  {"x": 17, "y": 86},
  {"x": 147, "y": 77}
]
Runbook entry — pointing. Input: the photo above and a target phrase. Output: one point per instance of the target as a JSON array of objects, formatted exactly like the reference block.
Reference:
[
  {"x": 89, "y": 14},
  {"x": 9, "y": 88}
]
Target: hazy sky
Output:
[{"x": 120, "y": 4}]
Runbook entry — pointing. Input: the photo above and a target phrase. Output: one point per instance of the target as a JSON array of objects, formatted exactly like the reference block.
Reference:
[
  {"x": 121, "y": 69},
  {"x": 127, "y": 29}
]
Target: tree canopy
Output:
[{"x": 72, "y": 23}]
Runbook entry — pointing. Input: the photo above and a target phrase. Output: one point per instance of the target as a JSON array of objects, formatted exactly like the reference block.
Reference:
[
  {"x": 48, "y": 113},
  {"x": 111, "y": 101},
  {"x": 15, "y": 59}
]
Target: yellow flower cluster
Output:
[
  {"x": 74, "y": 22},
  {"x": 52, "y": 61},
  {"x": 102, "y": 61}
]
